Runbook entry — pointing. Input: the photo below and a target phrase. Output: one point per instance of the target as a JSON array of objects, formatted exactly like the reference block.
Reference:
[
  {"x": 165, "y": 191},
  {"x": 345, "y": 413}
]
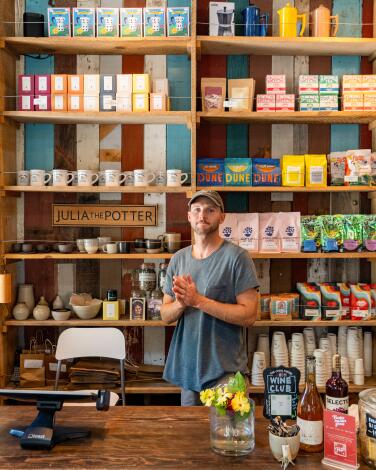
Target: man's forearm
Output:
[
  {"x": 231, "y": 313},
  {"x": 171, "y": 312}
]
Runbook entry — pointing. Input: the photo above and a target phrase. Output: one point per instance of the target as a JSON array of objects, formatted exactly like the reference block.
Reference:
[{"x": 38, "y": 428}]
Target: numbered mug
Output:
[
  {"x": 176, "y": 177},
  {"x": 39, "y": 177}
]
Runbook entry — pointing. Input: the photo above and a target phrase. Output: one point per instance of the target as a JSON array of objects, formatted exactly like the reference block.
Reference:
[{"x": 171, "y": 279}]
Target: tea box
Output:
[
  {"x": 124, "y": 85},
  {"x": 293, "y": 169},
  {"x": 352, "y": 102},
  {"x": 275, "y": 84},
  {"x": 123, "y": 102},
  {"x": 328, "y": 102},
  {"x": 107, "y": 84},
  {"x": 160, "y": 85},
  {"x": 331, "y": 305},
  {"x": 328, "y": 85},
  {"x": 310, "y": 301},
  {"x": 238, "y": 172},
  {"x": 265, "y": 306},
  {"x": 25, "y": 84},
  {"x": 91, "y": 84},
  {"x": 351, "y": 83},
  {"x": 75, "y": 103},
  {"x": 265, "y": 103},
  {"x": 178, "y": 21},
  {"x": 25, "y": 103},
  {"x": 59, "y": 102},
  {"x": 154, "y": 22},
  {"x": 284, "y": 103},
  {"x": 42, "y": 84},
  {"x": 110, "y": 310},
  {"x": 107, "y": 22},
  {"x": 141, "y": 83},
  {"x": 158, "y": 102},
  {"x": 59, "y": 83},
  {"x": 91, "y": 103},
  {"x": 210, "y": 172},
  {"x": 107, "y": 102},
  {"x": 59, "y": 22},
  {"x": 266, "y": 172},
  {"x": 42, "y": 103},
  {"x": 316, "y": 171},
  {"x": 248, "y": 231},
  {"x": 369, "y": 83},
  {"x": 131, "y": 22},
  {"x": 75, "y": 84},
  {"x": 308, "y": 84},
  {"x": 345, "y": 292},
  {"x": 360, "y": 301},
  {"x": 369, "y": 101},
  {"x": 225, "y": 11},
  {"x": 309, "y": 103},
  {"x": 140, "y": 102},
  {"x": 83, "y": 22}
]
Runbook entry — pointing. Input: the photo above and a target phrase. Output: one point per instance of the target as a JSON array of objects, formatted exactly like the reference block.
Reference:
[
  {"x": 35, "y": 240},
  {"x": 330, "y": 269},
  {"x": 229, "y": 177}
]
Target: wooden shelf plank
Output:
[
  {"x": 293, "y": 117},
  {"x": 211, "y": 45},
  {"x": 99, "y": 189},
  {"x": 81, "y": 256},
  {"x": 286, "y": 189},
  {"x": 94, "y": 322},
  {"x": 107, "y": 46},
  {"x": 318, "y": 324},
  {"x": 101, "y": 117},
  {"x": 313, "y": 255}
]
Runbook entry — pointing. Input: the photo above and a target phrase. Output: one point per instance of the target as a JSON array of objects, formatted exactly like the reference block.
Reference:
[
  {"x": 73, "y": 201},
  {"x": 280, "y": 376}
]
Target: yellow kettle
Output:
[{"x": 288, "y": 20}]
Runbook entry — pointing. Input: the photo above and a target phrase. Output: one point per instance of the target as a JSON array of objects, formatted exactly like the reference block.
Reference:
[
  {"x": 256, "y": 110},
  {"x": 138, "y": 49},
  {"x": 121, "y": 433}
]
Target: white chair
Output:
[
  {"x": 114, "y": 398},
  {"x": 88, "y": 342}
]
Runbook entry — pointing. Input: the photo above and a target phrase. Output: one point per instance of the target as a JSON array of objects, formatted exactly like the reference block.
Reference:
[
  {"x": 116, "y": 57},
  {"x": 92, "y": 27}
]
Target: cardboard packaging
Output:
[
  {"x": 265, "y": 103},
  {"x": 141, "y": 83},
  {"x": 110, "y": 310},
  {"x": 140, "y": 102},
  {"x": 266, "y": 172},
  {"x": 107, "y": 22},
  {"x": 178, "y": 21},
  {"x": 160, "y": 85},
  {"x": 352, "y": 83},
  {"x": 369, "y": 83},
  {"x": 224, "y": 11},
  {"x": 331, "y": 305},
  {"x": 241, "y": 94},
  {"x": 210, "y": 172},
  {"x": 91, "y": 103},
  {"x": 328, "y": 84},
  {"x": 369, "y": 101},
  {"x": 328, "y": 102},
  {"x": 83, "y": 22},
  {"x": 42, "y": 103},
  {"x": 352, "y": 102},
  {"x": 131, "y": 22},
  {"x": 75, "y": 84},
  {"x": 124, "y": 85},
  {"x": 59, "y": 84},
  {"x": 91, "y": 84},
  {"x": 59, "y": 22},
  {"x": 59, "y": 102},
  {"x": 75, "y": 103},
  {"x": 316, "y": 171},
  {"x": 213, "y": 93},
  {"x": 309, "y": 103},
  {"x": 42, "y": 84},
  {"x": 124, "y": 102},
  {"x": 284, "y": 103},
  {"x": 107, "y": 102},
  {"x": 308, "y": 84},
  {"x": 238, "y": 172},
  {"x": 158, "y": 102},
  {"x": 275, "y": 84},
  {"x": 107, "y": 84},
  {"x": 293, "y": 168},
  {"x": 154, "y": 22},
  {"x": 26, "y": 85},
  {"x": 25, "y": 103}
]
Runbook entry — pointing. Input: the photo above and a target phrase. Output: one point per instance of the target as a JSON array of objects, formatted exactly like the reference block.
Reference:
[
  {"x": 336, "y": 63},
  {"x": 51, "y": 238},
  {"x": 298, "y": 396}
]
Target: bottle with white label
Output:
[
  {"x": 337, "y": 390},
  {"x": 310, "y": 412}
]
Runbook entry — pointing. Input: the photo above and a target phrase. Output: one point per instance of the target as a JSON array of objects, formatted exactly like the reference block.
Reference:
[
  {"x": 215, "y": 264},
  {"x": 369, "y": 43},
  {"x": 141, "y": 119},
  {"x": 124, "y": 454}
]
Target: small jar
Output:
[
  {"x": 162, "y": 275},
  {"x": 154, "y": 305},
  {"x": 111, "y": 295},
  {"x": 147, "y": 277}
]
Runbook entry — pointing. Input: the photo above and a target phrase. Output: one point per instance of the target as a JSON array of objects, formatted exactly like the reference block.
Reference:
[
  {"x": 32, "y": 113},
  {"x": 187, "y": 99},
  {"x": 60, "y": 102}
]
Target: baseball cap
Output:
[{"x": 212, "y": 195}]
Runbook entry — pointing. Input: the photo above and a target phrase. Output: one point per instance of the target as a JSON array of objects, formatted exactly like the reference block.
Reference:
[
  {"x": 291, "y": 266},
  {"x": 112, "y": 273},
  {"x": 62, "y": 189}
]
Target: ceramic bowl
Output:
[
  {"x": 65, "y": 247},
  {"x": 87, "y": 312},
  {"x": 276, "y": 443},
  {"x": 61, "y": 314}
]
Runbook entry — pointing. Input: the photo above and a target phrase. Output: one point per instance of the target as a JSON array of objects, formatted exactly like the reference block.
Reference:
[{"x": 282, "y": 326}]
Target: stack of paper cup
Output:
[
  {"x": 345, "y": 371},
  {"x": 326, "y": 346},
  {"x": 321, "y": 368},
  {"x": 279, "y": 352},
  {"x": 258, "y": 366},
  {"x": 361, "y": 341},
  {"x": 309, "y": 341},
  {"x": 353, "y": 349},
  {"x": 333, "y": 341},
  {"x": 297, "y": 358},
  {"x": 359, "y": 372},
  {"x": 263, "y": 345},
  {"x": 342, "y": 341},
  {"x": 367, "y": 348}
]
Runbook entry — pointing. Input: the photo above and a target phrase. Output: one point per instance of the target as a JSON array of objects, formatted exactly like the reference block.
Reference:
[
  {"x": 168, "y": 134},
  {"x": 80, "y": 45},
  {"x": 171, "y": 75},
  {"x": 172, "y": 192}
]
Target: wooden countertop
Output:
[{"x": 137, "y": 437}]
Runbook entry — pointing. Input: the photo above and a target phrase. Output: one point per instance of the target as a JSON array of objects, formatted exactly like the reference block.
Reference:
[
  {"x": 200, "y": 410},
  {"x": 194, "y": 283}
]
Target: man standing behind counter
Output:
[{"x": 211, "y": 291}]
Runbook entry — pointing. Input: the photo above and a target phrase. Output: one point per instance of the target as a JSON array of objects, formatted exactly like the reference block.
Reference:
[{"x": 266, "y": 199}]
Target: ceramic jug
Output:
[
  {"x": 288, "y": 21},
  {"x": 41, "y": 311},
  {"x": 26, "y": 294},
  {"x": 322, "y": 24}
]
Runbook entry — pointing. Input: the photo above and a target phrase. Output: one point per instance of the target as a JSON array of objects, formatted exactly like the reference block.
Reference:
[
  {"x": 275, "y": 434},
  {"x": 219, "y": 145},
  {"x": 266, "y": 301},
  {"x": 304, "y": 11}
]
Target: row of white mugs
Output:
[{"x": 110, "y": 177}]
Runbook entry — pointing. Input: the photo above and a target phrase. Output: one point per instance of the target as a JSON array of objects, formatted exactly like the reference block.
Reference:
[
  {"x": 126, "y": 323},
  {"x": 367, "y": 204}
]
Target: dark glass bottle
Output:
[
  {"x": 310, "y": 412},
  {"x": 337, "y": 390}
]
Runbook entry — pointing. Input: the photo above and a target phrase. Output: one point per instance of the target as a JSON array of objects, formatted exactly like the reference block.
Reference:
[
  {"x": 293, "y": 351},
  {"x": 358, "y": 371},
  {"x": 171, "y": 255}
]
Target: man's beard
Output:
[{"x": 207, "y": 230}]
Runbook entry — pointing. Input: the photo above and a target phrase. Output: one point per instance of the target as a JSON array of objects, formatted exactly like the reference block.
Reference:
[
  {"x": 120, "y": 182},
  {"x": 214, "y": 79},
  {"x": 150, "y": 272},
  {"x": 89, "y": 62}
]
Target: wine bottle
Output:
[
  {"x": 310, "y": 412},
  {"x": 337, "y": 390}
]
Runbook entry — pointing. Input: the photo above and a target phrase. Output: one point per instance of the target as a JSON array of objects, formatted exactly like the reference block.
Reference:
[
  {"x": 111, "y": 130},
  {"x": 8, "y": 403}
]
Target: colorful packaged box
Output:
[
  {"x": 352, "y": 101},
  {"x": 91, "y": 84},
  {"x": 360, "y": 302},
  {"x": 59, "y": 102},
  {"x": 358, "y": 167},
  {"x": 210, "y": 172},
  {"x": 331, "y": 305},
  {"x": 265, "y": 103},
  {"x": 309, "y": 103},
  {"x": 160, "y": 85},
  {"x": 110, "y": 310},
  {"x": 345, "y": 292},
  {"x": 75, "y": 84},
  {"x": 281, "y": 307},
  {"x": 59, "y": 84},
  {"x": 107, "y": 22},
  {"x": 107, "y": 84},
  {"x": 369, "y": 83},
  {"x": 369, "y": 101},
  {"x": 59, "y": 22},
  {"x": 178, "y": 21},
  {"x": 42, "y": 103},
  {"x": 42, "y": 84},
  {"x": 316, "y": 171},
  {"x": 284, "y": 103},
  {"x": 308, "y": 84},
  {"x": 266, "y": 172},
  {"x": 107, "y": 102},
  {"x": 25, "y": 103},
  {"x": 123, "y": 102},
  {"x": 154, "y": 22},
  {"x": 328, "y": 85},
  {"x": 310, "y": 301},
  {"x": 238, "y": 172},
  {"x": 91, "y": 103},
  {"x": 275, "y": 84},
  {"x": 141, "y": 83},
  {"x": 221, "y": 10},
  {"x": 131, "y": 22},
  {"x": 248, "y": 231},
  {"x": 352, "y": 83},
  {"x": 328, "y": 102},
  {"x": 124, "y": 85},
  {"x": 83, "y": 22},
  {"x": 158, "y": 102},
  {"x": 140, "y": 102},
  {"x": 293, "y": 169},
  {"x": 75, "y": 103},
  {"x": 337, "y": 163},
  {"x": 26, "y": 84}
]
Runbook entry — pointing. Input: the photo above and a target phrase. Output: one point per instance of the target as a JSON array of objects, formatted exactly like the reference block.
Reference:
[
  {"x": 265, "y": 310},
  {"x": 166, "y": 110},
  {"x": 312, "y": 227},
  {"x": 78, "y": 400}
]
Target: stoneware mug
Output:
[
  {"x": 39, "y": 177},
  {"x": 91, "y": 245},
  {"x": 87, "y": 177},
  {"x": 176, "y": 177},
  {"x": 61, "y": 177},
  {"x": 110, "y": 248},
  {"x": 114, "y": 177},
  {"x": 143, "y": 177},
  {"x": 171, "y": 241},
  {"x": 23, "y": 178}
]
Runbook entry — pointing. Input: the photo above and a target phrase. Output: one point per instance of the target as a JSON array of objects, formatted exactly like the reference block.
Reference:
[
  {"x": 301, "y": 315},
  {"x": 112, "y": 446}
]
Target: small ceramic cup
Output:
[
  {"x": 65, "y": 247},
  {"x": 39, "y": 177},
  {"x": 23, "y": 178},
  {"x": 114, "y": 177},
  {"x": 91, "y": 245},
  {"x": 87, "y": 177},
  {"x": 276, "y": 443},
  {"x": 110, "y": 248},
  {"x": 124, "y": 247},
  {"x": 176, "y": 177},
  {"x": 61, "y": 177},
  {"x": 102, "y": 242},
  {"x": 27, "y": 247},
  {"x": 80, "y": 242}
]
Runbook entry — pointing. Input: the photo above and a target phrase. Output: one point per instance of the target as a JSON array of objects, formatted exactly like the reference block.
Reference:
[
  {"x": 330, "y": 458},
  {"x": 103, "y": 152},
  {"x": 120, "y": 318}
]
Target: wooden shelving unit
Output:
[
  {"x": 98, "y": 189},
  {"x": 81, "y": 256}
]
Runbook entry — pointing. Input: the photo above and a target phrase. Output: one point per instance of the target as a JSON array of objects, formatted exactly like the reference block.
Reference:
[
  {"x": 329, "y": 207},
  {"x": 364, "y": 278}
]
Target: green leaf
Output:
[
  {"x": 237, "y": 383},
  {"x": 220, "y": 410}
]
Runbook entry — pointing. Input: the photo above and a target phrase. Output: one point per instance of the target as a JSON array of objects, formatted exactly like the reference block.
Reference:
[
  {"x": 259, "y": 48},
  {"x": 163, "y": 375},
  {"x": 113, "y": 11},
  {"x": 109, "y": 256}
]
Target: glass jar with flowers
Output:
[{"x": 232, "y": 419}]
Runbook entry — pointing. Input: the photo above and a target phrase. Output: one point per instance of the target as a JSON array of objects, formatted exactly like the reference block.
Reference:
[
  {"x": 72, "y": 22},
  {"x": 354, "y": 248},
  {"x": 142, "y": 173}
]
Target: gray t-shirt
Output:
[{"x": 203, "y": 348}]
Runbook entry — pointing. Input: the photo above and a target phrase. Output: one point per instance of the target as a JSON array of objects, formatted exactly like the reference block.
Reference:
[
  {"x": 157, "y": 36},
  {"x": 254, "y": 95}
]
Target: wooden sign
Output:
[
  {"x": 281, "y": 392},
  {"x": 91, "y": 215}
]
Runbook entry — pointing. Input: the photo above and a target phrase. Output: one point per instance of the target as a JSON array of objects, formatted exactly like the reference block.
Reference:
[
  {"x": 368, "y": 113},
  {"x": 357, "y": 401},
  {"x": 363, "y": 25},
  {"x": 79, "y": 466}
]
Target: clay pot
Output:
[
  {"x": 20, "y": 311},
  {"x": 41, "y": 311}
]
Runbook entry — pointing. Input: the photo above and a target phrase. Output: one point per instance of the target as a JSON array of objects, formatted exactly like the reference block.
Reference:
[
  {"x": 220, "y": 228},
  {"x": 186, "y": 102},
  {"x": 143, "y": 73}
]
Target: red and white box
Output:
[
  {"x": 42, "y": 84},
  {"x": 42, "y": 103},
  {"x": 352, "y": 83},
  {"x": 275, "y": 84},
  {"x": 265, "y": 102},
  {"x": 26, "y": 84},
  {"x": 352, "y": 102},
  {"x": 369, "y": 83},
  {"x": 25, "y": 103},
  {"x": 308, "y": 84},
  {"x": 285, "y": 103},
  {"x": 369, "y": 101}
]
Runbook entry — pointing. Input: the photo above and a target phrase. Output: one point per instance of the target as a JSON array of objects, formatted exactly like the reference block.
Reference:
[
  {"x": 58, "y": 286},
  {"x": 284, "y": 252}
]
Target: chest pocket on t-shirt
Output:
[{"x": 220, "y": 292}]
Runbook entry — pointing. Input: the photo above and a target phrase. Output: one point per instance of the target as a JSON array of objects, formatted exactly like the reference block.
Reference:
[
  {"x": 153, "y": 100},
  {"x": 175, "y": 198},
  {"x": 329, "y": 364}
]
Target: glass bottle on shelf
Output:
[
  {"x": 310, "y": 412},
  {"x": 154, "y": 305},
  {"x": 337, "y": 390},
  {"x": 147, "y": 277},
  {"x": 162, "y": 275}
]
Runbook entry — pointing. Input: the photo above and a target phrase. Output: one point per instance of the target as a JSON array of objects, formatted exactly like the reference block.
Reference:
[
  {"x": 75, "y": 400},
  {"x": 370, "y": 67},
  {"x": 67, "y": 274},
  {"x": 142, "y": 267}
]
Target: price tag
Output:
[{"x": 281, "y": 392}]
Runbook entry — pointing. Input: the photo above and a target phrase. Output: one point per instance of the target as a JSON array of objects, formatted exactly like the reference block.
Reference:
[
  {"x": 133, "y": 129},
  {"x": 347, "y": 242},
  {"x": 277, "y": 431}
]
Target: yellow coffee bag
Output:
[
  {"x": 316, "y": 171},
  {"x": 293, "y": 170}
]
